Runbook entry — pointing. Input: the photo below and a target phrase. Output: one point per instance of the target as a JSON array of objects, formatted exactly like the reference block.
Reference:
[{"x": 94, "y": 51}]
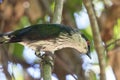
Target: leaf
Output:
[
  {"x": 18, "y": 50},
  {"x": 117, "y": 29}
]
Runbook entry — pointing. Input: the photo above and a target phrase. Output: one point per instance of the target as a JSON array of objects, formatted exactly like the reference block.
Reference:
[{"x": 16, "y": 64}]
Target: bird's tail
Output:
[{"x": 4, "y": 38}]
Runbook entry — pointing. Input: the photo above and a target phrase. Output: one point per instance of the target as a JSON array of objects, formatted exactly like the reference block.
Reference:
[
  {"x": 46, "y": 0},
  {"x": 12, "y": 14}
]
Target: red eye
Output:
[{"x": 88, "y": 42}]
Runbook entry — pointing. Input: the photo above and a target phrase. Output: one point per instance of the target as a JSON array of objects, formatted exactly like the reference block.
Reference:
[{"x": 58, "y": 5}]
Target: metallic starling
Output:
[{"x": 47, "y": 37}]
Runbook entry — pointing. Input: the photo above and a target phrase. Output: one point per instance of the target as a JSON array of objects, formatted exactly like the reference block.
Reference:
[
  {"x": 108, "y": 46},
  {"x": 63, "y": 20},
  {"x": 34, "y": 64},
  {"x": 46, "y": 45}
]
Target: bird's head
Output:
[
  {"x": 81, "y": 42},
  {"x": 74, "y": 40}
]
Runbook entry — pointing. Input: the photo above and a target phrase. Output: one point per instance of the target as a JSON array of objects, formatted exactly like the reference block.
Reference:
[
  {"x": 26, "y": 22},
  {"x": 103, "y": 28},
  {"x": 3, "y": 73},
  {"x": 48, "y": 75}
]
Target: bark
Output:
[{"x": 96, "y": 36}]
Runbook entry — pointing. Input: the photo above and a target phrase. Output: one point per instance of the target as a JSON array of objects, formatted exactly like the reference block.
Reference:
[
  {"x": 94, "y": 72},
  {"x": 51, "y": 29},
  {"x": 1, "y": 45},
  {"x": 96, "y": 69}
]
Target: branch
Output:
[
  {"x": 112, "y": 43},
  {"x": 58, "y": 11},
  {"x": 96, "y": 36},
  {"x": 47, "y": 64}
]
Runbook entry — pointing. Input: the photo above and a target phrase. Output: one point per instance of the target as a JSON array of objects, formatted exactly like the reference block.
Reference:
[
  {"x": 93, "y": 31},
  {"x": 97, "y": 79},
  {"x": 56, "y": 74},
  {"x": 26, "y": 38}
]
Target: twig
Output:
[
  {"x": 112, "y": 43},
  {"x": 96, "y": 36},
  {"x": 58, "y": 11}
]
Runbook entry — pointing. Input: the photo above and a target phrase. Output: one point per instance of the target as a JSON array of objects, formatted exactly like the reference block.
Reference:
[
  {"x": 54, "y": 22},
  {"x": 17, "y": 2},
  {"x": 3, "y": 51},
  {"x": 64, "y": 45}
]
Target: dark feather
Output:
[{"x": 39, "y": 32}]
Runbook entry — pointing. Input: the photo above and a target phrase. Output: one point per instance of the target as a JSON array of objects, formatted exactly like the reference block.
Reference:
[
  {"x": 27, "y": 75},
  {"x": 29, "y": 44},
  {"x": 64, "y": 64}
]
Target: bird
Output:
[{"x": 47, "y": 37}]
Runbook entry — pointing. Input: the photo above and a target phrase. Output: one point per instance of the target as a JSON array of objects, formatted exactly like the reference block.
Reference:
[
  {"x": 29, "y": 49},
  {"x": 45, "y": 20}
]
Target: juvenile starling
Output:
[{"x": 47, "y": 37}]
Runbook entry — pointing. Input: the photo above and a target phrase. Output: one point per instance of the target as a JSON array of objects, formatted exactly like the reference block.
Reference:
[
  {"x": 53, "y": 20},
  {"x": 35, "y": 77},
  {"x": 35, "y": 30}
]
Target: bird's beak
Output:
[{"x": 88, "y": 54}]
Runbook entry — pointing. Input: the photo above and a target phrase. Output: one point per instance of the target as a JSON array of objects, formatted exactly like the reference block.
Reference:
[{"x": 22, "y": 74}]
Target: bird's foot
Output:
[
  {"x": 38, "y": 54},
  {"x": 48, "y": 58}
]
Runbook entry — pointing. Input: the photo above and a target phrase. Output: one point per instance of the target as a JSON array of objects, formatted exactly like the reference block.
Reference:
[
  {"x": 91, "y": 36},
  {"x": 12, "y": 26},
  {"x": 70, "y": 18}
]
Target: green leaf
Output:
[
  {"x": 18, "y": 50},
  {"x": 52, "y": 6},
  {"x": 24, "y": 21},
  {"x": 117, "y": 29}
]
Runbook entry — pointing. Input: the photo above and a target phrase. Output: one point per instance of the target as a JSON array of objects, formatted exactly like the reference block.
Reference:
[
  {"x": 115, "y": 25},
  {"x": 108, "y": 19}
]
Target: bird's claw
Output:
[
  {"x": 38, "y": 54},
  {"x": 48, "y": 59}
]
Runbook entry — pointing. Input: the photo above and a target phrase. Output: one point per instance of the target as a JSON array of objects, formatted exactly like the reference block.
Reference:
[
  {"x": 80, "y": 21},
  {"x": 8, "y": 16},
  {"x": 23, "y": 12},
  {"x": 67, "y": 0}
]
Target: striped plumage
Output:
[{"x": 47, "y": 37}]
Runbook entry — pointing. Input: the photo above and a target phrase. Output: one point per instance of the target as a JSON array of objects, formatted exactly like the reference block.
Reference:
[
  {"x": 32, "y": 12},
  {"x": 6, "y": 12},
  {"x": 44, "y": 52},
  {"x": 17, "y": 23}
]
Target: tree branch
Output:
[
  {"x": 58, "y": 11},
  {"x": 118, "y": 40},
  {"x": 47, "y": 64},
  {"x": 96, "y": 36}
]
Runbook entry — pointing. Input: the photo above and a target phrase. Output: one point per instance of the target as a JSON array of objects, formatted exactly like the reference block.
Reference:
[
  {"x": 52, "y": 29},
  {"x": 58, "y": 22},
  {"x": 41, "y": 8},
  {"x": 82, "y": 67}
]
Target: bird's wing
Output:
[{"x": 38, "y": 32}]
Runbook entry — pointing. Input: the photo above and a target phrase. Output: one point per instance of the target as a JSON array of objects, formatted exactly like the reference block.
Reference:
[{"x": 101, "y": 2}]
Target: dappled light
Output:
[{"x": 69, "y": 61}]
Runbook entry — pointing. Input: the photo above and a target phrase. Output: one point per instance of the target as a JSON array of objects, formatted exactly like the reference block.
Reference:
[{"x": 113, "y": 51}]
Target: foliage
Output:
[
  {"x": 116, "y": 30},
  {"x": 16, "y": 14}
]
